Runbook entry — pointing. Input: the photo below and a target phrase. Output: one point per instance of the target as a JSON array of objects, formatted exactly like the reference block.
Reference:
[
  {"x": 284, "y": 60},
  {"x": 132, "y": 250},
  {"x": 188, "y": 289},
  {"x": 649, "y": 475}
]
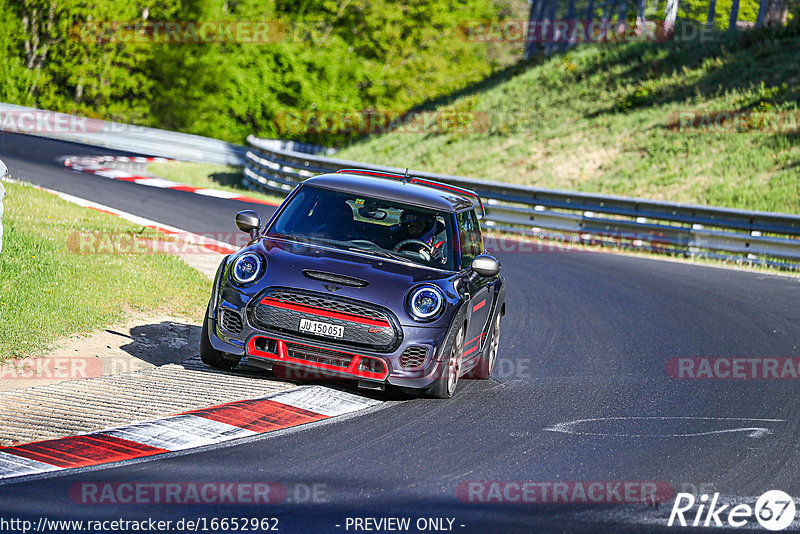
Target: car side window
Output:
[{"x": 469, "y": 231}]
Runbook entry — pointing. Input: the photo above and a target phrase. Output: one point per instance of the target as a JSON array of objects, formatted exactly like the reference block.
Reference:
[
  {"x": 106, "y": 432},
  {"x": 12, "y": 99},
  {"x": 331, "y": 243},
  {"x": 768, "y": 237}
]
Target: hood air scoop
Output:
[{"x": 334, "y": 278}]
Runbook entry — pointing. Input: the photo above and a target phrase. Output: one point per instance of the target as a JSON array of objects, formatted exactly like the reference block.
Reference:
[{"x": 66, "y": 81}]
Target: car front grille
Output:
[
  {"x": 313, "y": 354},
  {"x": 365, "y": 326},
  {"x": 328, "y": 303},
  {"x": 413, "y": 357},
  {"x": 231, "y": 321}
]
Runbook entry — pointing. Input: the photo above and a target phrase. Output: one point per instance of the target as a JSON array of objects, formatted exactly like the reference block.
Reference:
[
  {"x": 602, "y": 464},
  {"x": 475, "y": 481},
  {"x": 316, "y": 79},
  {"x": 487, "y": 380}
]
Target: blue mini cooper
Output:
[{"x": 362, "y": 275}]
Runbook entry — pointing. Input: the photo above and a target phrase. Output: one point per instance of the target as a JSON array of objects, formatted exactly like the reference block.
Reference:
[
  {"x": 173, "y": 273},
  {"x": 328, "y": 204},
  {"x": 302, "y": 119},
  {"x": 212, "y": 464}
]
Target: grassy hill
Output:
[{"x": 596, "y": 118}]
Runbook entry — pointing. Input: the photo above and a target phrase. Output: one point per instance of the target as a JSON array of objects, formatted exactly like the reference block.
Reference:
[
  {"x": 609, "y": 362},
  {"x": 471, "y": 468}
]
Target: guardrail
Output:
[
  {"x": 132, "y": 138},
  {"x": 753, "y": 236},
  {"x": 119, "y": 136},
  {"x": 278, "y": 166}
]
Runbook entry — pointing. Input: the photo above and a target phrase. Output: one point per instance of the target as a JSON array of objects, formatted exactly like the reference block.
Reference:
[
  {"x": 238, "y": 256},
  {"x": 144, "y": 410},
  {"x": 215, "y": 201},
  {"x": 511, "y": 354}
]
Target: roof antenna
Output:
[{"x": 406, "y": 176}]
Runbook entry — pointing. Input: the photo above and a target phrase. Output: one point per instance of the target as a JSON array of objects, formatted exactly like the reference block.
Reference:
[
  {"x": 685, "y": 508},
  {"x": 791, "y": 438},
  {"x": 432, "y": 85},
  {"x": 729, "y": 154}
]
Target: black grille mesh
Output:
[
  {"x": 231, "y": 321},
  {"x": 314, "y": 354},
  {"x": 413, "y": 357},
  {"x": 272, "y": 317},
  {"x": 328, "y": 304}
]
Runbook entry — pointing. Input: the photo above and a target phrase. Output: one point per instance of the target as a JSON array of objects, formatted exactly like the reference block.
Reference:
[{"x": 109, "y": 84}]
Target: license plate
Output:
[{"x": 323, "y": 329}]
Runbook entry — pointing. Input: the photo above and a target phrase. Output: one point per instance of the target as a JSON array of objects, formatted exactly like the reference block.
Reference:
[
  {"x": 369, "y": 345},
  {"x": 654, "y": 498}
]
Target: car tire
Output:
[
  {"x": 211, "y": 356},
  {"x": 445, "y": 385},
  {"x": 483, "y": 369}
]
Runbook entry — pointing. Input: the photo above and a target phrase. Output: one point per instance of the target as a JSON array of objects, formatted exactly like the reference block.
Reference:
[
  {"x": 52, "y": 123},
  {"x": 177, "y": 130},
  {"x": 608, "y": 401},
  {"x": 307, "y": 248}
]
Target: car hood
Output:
[{"x": 388, "y": 281}]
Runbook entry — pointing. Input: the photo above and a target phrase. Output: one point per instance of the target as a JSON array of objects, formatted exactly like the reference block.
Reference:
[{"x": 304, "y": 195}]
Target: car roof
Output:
[{"x": 394, "y": 188}]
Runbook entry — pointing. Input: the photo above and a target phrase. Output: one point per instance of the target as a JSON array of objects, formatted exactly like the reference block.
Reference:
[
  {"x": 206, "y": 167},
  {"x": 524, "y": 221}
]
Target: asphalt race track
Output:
[
  {"x": 38, "y": 160},
  {"x": 586, "y": 336}
]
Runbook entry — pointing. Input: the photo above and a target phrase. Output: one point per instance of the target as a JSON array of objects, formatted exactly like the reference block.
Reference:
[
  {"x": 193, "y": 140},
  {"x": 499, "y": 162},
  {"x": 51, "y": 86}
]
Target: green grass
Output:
[
  {"x": 206, "y": 175},
  {"x": 48, "y": 291},
  {"x": 595, "y": 119}
]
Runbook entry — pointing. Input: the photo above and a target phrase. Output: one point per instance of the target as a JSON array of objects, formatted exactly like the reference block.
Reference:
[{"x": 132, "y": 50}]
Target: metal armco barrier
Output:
[
  {"x": 119, "y": 136},
  {"x": 132, "y": 138},
  {"x": 691, "y": 229},
  {"x": 278, "y": 166}
]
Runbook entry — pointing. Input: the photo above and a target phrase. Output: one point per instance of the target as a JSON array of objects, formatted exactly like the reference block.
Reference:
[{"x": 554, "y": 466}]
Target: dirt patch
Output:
[{"x": 143, "y": 342}]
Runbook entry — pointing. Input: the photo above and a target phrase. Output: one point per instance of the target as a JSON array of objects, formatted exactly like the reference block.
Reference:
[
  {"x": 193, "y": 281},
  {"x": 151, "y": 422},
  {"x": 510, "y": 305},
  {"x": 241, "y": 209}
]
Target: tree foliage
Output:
[{"x": 343, "y": 55}]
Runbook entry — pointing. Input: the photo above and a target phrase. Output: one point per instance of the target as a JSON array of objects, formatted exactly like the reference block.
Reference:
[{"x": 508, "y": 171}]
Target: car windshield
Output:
[{"x": 368, "y": 225}]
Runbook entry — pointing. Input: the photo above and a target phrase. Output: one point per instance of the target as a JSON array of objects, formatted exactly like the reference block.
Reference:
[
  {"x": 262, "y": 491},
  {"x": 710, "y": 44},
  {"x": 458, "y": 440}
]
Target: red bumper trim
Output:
[{"x": 282, "y": 356}]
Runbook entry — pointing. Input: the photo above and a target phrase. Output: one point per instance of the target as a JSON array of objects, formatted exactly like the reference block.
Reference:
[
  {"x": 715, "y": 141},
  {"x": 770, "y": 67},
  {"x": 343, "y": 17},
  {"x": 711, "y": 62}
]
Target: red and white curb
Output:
[
  {"x": 181, "y": 235},
  {"x": 96, "y": 165},
  {"x": 196, "y": 428}
]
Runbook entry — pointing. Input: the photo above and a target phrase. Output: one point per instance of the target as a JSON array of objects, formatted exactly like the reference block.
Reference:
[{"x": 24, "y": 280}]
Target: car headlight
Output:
[
  {"x": 246, "y": 268},
  {"x": 425, "y": 302}
]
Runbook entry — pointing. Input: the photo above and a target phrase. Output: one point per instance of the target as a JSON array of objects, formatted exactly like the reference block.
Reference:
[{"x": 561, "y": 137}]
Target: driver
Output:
[
  {"x": 425, "y": 228},
  {"x": 419, "y": 226}
]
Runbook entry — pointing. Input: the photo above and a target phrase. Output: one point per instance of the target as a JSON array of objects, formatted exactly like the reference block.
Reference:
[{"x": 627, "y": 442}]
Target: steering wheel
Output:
[{"x": 424, "y": 248}]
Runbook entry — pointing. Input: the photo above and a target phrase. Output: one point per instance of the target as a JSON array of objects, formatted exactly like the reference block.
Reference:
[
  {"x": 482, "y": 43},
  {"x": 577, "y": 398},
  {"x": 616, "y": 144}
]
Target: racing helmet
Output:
[{"x": 416, "y": 225}]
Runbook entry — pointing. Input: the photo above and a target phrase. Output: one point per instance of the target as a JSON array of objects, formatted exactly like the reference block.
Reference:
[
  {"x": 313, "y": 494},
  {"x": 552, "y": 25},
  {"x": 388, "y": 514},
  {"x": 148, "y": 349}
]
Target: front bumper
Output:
[
  {"x": 355, "y": 364},
  {"x": 328, "y": 363}
]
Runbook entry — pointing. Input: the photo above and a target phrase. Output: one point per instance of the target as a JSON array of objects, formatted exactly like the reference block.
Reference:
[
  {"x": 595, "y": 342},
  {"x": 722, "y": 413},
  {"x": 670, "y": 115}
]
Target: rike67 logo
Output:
[{"x": 774, "y": 510}]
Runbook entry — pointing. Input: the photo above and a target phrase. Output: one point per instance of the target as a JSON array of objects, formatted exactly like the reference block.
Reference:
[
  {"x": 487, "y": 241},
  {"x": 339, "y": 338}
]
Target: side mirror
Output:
[
  {"x": 3, "y": 169},
  {"x": 248, "y": 221},
  {"x": 485, "y": 265}
]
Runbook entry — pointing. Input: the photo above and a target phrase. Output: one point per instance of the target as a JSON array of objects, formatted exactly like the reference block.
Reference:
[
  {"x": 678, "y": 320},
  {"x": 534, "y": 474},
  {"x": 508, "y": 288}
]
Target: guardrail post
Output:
[
  {"x": 734, "y": 15},
  {"x": 712, "y": 7},
  {"x": 670, "y": 15}
]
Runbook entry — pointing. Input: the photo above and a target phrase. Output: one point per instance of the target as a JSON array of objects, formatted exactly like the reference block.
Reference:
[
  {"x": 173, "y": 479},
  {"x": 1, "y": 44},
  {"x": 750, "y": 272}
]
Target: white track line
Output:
[
  {"x": 182, "y": 235},
  {"x": 96, "y": 165}
]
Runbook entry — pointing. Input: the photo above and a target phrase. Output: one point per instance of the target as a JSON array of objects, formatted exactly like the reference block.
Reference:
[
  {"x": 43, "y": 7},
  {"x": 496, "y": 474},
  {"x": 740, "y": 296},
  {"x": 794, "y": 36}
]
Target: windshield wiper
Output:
[
  {"x": 337, "y": 244},
  {"x": 379, "y": 252},
  {"x": 288, "y": 237},
  {"x": 303, "y": 240}
]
